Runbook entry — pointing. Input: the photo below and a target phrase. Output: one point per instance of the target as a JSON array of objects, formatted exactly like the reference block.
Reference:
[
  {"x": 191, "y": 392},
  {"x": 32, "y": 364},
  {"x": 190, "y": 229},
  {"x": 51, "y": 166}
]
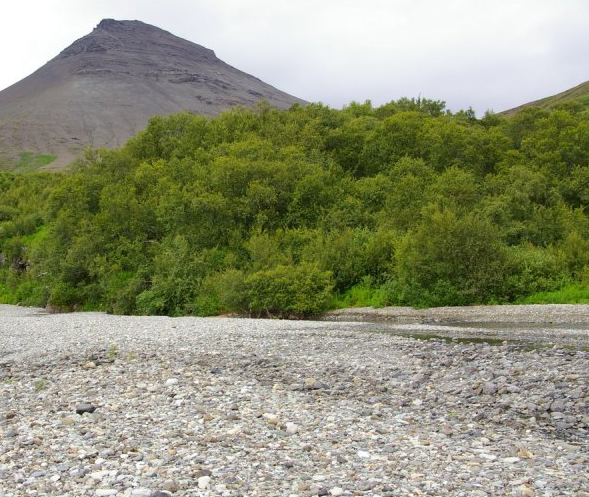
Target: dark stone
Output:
[
  {"x": 85, "y": 407},
  {"x": 160, "y": 493}
]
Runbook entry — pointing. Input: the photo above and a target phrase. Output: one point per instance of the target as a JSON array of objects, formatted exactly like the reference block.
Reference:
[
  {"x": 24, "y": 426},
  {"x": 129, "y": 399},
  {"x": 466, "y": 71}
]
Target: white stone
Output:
[
  {"x": 510, "y": 460},
  {"x": 203, "y": 482},
  {"x": 105, "y": 492},
  {"x": 99, "y": 475},
  {"x": 292, "y": 428}
]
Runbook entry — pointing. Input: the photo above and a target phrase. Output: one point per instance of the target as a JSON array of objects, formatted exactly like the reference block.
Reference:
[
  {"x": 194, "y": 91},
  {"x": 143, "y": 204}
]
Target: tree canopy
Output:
[{"x": 272, "y": 212}]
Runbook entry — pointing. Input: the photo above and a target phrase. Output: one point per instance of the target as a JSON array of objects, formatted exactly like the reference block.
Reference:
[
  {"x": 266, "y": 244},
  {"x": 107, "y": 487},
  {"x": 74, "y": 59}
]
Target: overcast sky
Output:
[{"x": 485, "y": 54}]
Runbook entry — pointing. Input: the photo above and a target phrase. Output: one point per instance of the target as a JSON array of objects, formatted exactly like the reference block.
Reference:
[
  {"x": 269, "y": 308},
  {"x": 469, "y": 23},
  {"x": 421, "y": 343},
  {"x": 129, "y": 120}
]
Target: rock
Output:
[
  {"x": 270, "y": 418},
  {"x": 286, "y": 442},
  {"x": 85, "y": 407},
  {"x": 203, "y": 482},
  {"x": 159, "y": 493},
  {"x": 170, "y": 382},
  {"x": 490, "y": 388},
  {"x": 106, "y": 492},
  {"x": 141, "y": 492},
  {"x": 557, "y": 406},
  {"x": 291, "y": 428},
  {"x": 313, "y": 384},
  {"x": 335, "y": 491}
]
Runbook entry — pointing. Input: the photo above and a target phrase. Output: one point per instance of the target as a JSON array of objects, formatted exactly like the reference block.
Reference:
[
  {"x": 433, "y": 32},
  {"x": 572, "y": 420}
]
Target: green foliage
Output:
[
  {"x": 533, "y": 269},
  {"x": 363, "y": 294},
  {"x": 450, "y": 260},
  {"x": 570, "y": 294},
  {"x": 269, "y": 212},
  {"x": 288, "y": 290}
]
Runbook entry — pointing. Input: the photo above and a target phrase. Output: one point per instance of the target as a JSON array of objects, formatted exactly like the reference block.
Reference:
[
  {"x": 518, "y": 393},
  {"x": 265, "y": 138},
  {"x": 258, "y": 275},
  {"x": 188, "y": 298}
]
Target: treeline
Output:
[{"x": 292, "y": 212}]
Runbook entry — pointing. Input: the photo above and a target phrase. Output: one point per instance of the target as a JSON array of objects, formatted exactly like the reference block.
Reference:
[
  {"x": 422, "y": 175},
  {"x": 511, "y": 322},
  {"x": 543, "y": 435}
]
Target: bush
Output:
[
  {"x": 297, "y": 290},
  {"x": 65, "y": 297},
  {"x": 534, "y": 269},
  {"x": 450, "y": 260}
]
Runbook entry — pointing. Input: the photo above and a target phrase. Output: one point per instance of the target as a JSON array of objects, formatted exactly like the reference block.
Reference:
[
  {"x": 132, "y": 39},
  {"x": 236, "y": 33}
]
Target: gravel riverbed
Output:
[{"x": 99, "y": 405}]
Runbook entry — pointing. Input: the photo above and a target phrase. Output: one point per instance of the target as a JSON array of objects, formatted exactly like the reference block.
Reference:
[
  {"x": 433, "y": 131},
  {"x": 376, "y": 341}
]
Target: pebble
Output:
[
  {"x": 106, "y": 492},
  {"x": 292, "y": 428},
  {"x": 227, "y": 407},
  {"x": 85, "y": 407},
  {"x": 203, "y": 482}
]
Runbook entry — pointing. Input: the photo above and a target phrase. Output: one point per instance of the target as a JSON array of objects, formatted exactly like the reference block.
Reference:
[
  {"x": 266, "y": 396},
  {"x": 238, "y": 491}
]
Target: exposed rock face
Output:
[{"x": 103, "y": 88}]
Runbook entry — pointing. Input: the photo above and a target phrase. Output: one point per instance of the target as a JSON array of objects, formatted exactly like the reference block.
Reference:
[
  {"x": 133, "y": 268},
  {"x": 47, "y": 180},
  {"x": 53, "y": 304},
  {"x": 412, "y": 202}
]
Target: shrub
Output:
[
  {"x": 298, "y": 290},
  {"x": 449, "y": 260},
  {"x": 534, "y": 269}
]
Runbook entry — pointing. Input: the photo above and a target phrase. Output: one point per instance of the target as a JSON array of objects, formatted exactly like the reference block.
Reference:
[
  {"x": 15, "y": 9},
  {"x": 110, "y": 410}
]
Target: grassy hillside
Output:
[{"x": 576, "y": 98}]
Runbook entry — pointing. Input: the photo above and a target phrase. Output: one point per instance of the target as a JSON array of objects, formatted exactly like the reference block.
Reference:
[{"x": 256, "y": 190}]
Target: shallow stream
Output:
[{"x": 526, "y": 335}]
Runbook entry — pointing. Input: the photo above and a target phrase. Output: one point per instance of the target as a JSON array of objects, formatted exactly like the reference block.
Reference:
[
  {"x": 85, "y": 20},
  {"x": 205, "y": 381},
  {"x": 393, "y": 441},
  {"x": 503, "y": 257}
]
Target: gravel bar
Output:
[{"x": 99, "y": 405}]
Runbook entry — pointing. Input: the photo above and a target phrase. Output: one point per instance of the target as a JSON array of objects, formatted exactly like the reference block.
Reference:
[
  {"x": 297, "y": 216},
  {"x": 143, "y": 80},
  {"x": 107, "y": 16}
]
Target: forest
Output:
[{"x": 289, "y": 213}]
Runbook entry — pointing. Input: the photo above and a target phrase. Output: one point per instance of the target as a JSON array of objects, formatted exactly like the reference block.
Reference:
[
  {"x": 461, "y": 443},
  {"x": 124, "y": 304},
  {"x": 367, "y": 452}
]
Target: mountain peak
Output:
[
  {"x": 135, "y": 37},
  {"x": 112, "y": 24},
  {"x": 104, "y": 87}
]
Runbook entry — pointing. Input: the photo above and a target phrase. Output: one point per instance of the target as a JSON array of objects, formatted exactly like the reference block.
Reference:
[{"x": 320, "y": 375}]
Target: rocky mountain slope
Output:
[{"x": 103, "y": 88}]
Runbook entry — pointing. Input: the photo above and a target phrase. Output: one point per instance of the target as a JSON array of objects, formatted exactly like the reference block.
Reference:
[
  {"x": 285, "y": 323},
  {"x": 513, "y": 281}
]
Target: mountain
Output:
[
  {"x": 577, "y": 95},
  {"x": 103, "y": 88}
]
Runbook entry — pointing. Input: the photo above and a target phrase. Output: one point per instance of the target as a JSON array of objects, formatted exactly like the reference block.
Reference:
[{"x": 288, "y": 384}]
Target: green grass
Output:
[
  {"x": 570, "y": 294},
  {"x": 578, "y": 94},
  {"x": 32, "y": 162},
  {"x": 4, "y": 294},
  {"x": 361, "y": 295}
]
